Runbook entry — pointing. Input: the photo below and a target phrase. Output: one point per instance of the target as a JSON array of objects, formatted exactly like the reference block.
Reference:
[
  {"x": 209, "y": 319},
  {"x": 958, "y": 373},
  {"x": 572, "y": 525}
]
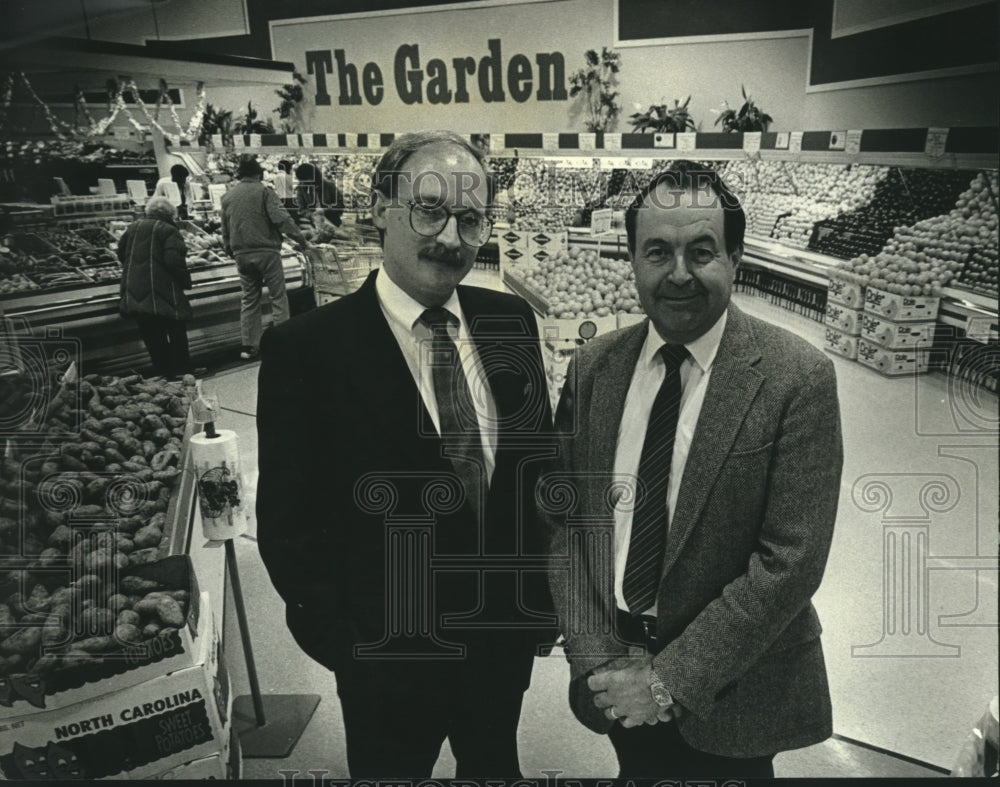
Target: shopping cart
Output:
[{"x": 340, "y": 270}]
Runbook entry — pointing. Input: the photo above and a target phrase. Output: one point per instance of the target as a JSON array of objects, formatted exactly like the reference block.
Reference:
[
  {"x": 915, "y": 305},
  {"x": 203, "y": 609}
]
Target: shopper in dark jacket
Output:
[
  {"x": 253, "y": 222},
  {"x": 154, "y": 277}
]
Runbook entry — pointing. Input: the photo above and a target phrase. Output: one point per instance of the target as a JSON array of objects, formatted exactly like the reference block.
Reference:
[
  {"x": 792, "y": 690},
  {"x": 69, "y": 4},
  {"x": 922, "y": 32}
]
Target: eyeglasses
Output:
[{"x": 474, "y": 229}]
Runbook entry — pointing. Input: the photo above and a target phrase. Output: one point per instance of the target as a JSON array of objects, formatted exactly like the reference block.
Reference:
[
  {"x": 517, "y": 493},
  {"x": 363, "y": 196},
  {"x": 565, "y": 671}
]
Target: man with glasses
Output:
[{"x": 401, "y": 432}]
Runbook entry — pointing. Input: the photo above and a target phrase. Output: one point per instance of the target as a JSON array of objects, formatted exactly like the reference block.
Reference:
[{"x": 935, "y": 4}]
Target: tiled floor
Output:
[{"x": 911, "y": 466}]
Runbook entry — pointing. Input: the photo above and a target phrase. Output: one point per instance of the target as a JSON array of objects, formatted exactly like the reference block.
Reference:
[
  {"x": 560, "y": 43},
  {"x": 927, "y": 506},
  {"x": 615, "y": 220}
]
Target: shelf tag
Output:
[
  {"x": 612, "y": 141},
  {"x": 937, "y": 138},
  {"x": 686, "y": 141},
  {"x": 853, "y": 143},
  {"x": 640, "y": 163},
  {"x": 600, "y": 221},
  {"x": 662, "y": 140},
  {"x": 588, "y": 141},
  {"x": 550, "y": 141},
  {"x": 751, "y": 141},
  {"x": 795, "y": 142}
]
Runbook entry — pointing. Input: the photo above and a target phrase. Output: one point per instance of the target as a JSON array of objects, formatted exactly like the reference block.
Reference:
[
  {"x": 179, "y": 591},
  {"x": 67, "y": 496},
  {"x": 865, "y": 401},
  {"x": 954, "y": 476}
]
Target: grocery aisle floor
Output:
[{"x": 919, "y": 454}]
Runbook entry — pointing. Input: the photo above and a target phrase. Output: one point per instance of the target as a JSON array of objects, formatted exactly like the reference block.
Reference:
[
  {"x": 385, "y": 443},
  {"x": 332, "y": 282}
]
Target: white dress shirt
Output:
[
  {"x": 646, "y": 380},
  {"x": 414, "y": 339}
]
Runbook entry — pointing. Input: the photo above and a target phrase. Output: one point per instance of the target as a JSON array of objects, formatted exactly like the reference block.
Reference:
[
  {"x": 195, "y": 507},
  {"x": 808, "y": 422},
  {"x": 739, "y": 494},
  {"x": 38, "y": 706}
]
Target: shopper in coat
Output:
[
  {"x": 154, "y": 276},
  {"x": 358, "y": 458},
  {"x": 253, "y": 222},
  {"x": 711, "y": 580}
]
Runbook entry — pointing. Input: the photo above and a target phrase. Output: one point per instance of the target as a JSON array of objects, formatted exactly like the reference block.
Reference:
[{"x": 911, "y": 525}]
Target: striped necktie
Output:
[
  {"x": 649, "y": 522},
  {"x": 459, "y": 424}
]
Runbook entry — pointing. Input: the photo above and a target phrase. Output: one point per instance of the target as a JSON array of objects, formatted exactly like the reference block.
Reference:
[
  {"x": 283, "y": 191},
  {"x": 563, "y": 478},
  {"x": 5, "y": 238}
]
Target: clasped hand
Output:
[{"x": 622, "y": 688}]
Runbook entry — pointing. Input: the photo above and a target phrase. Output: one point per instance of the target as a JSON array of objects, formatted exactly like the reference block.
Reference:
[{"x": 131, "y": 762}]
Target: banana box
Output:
[
  {"x": 901, "y": 308},
  {"x": 892, "y": 363},
  {"x": 897, "y": 335},
  {"x": 135, "y": 733},
  {"x": 841, "y": 343},
  {"x": 847, "y": 292},
  {"x": 843, "y": 318}
]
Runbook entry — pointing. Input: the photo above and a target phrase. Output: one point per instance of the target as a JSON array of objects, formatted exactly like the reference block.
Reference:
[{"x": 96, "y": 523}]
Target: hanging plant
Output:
[
  {"x": 749, "y": 117},
  {"x": 292, "y": 108},
  {"x": 664, "y": 119},
  {"x": 250, "y": 124},
  {"x": 595, "y": 85}
]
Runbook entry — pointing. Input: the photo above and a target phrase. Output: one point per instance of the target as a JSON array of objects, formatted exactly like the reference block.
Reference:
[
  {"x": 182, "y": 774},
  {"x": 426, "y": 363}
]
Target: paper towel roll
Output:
[{"x": 219, "y": 484}]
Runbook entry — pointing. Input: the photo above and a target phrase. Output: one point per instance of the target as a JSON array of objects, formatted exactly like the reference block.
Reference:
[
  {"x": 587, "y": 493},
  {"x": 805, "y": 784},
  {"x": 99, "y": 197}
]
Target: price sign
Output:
[
  {"x": 600, "y": 221},
  {"x": 661, "y": 140},
  {"x": 217, "y": 140},
  {"x": 255, "y": 140},
  {"x": 350, "y": 140},
  {"x": 105, "y": 187},
  {"x": 937, "y": 138},
  {"x": 686, "y": 141},
  {"x": 795, "y": 142},
  {"x": 853, "y": 144},
  {"x": 136, "y": 190},
  {"x": 307, "y": 140},
  {"x": 173, "y": 193},
  {"x": 781, "y": 141},
  {"x": 292, "y": 140},
  {"x": 612, "y": 141},
  {"x": 981, "y": 328},
  {"x": 640, "y": 163},
  {"x": 550, "y": 141},
  {"x": 215, "y": 192},
  {"x": 121, "y": 132},
  {"x": 375, "y": 140},
  {"x": 588, "y": 141},
  {"x": 751, "y": 141}
]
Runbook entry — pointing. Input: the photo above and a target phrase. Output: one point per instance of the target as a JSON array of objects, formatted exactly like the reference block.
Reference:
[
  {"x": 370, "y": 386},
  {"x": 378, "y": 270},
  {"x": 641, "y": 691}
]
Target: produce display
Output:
[
  {"x": 579, "y": 283},
  {"x": 937, "y": 251},
  {"x": 59, "y": 585}
]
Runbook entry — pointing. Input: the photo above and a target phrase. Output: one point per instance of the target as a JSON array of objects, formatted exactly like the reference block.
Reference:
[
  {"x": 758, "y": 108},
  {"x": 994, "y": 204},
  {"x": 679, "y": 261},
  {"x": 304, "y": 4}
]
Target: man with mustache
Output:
[
  {"x": 706, "y": 448},
  {"x": 401, "y": 431}
]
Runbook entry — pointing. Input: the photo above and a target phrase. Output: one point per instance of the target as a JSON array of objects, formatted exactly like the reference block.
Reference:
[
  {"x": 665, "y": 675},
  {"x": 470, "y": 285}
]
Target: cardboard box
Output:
[
  {"x": 847, "y": 292},
  {"x": 897, "y": 335},
  {"x": 843, "y": 318},
  {"x": 841, "y": 343},
  {"x": 543, "y": 245},
  {"x": 892, "y": 363},
  {"x": 135, "y": 733},
  {"x": 227, "y": 765},
  {"x": 172, "y": 650},
  {"x": 901, "y": 308},
  {"x": 512, "y": 244}
]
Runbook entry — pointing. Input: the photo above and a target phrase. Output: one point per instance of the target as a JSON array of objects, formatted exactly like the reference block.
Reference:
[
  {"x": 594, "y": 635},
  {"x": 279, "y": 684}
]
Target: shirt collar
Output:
[
  {"x": 702, "y": 350},
  {"x": 404, "y": 310}
]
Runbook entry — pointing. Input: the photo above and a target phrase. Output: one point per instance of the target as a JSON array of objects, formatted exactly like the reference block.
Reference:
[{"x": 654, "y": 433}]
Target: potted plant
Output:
[
  {"x": 250, "y": 124},
  {"x": 216, "y": 121},
  {"x": 661, "y": 118},
  {"x": 749, "y": 117},
  {"x": 596, "y": 84}
]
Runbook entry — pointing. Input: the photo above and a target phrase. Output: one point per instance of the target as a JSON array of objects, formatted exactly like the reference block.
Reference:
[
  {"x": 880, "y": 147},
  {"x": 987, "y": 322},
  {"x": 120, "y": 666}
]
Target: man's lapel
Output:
[{"x": 731, "y": 390}]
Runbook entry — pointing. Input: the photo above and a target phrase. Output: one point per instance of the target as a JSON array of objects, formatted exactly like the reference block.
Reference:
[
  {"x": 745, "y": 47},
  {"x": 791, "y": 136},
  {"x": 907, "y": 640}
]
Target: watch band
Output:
[{"x": 661, "y": 695}]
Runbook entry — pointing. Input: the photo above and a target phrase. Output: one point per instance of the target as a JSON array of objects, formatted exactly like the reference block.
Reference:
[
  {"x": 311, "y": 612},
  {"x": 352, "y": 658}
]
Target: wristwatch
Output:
[{"x": 661, "y": 695}]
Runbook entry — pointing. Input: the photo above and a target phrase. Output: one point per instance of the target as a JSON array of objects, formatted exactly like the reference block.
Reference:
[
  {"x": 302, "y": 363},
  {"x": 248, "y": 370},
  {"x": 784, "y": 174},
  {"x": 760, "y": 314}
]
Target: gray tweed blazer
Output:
[{"x": 747, "y": 546}]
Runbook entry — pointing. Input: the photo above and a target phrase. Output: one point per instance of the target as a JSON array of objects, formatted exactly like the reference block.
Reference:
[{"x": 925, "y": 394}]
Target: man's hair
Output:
[
  {"x": 285, "y": 165},
  {"x": 179, "y": 172},
  {"x": 687, "y": 175},
  {"x": 160, "y": 208},
  {"x": 385, "y": 179},
  {"x": 249, "y": 168},
  {"x": 305, "y": 172}
]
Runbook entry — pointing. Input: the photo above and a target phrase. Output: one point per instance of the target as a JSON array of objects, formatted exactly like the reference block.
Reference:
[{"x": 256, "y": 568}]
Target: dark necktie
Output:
[
  {"x": 459, "y": 426},
  {"x": 649, "y": 521}
]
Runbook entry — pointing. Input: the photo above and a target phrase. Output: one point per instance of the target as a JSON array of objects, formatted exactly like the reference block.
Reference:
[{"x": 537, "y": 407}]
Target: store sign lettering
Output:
[{"x": 440, "y": 82}]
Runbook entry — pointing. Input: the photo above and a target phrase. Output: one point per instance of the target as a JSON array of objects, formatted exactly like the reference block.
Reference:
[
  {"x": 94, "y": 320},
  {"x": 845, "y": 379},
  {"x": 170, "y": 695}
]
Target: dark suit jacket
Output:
[
  {"x": 345, "y": 445},
  {"x": 747, "y": 546}
]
